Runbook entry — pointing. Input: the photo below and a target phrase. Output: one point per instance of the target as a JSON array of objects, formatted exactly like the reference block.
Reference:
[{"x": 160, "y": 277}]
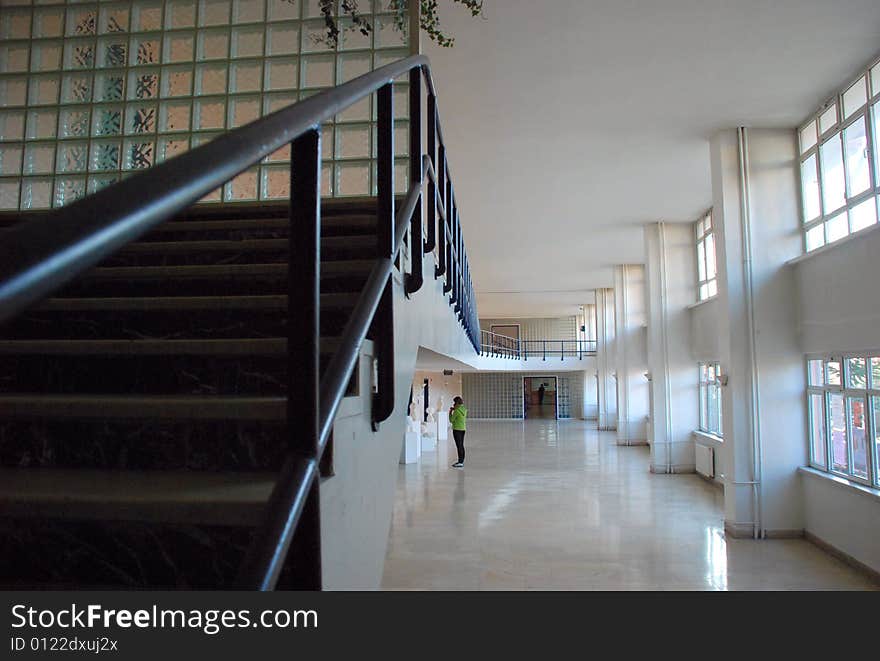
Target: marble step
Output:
[
  {"x": 245, "y": 251},
  {"x": 186, "y": 303},
  {"x": 118, "y": 407},
  {"x": 174, "y": 496},
  {"x": 238, "y": 279},
  {"x": 240, "y": 366},
  {"x": 249, "y": 227}
]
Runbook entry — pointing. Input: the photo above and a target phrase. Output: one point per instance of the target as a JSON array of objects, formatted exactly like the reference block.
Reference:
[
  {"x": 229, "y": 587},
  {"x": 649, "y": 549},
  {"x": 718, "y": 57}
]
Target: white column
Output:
[
  {"x": 591, "y": 383},
  {"x": 671, "y": 269},
  {"x": 758, "y": 230},
  {"x": 631, "y": 360},
  {"x": 607, "y": 395}
]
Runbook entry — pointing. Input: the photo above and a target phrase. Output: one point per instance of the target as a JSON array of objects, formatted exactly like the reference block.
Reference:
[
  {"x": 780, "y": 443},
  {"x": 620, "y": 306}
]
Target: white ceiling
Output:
[{"x": 571, "y": 123}]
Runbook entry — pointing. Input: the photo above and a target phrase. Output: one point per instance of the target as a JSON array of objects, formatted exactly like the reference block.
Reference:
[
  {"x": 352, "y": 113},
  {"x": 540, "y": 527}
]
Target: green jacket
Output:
[{"x": 458, "y": 418}]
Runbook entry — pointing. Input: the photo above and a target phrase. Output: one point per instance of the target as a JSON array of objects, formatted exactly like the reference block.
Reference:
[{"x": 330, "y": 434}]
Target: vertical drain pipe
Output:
[
  {"x": 664, "y": 318},
  {"x": 754, "y": 381}
]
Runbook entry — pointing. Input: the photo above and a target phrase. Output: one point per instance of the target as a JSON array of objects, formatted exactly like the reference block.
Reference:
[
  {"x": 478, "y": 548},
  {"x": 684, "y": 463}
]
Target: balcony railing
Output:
[{"x": 501, "y": 346}]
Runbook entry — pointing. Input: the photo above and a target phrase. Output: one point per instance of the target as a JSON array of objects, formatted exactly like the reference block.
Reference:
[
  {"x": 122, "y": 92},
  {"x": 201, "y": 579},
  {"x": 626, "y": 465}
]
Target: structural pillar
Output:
[
  {"x": 630, "y": 356},
  {"x": 607, "y": 395}
]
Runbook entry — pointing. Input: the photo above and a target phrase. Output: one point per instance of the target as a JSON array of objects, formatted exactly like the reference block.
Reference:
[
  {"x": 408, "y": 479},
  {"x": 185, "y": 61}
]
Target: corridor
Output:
[{"x": 559, "y": 506}]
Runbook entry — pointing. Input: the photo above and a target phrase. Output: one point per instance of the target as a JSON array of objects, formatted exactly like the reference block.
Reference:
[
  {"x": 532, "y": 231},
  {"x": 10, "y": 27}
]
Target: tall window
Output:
[
  {"x": 840, "y": 170},
  {"x": 707, "y": 281},
  {"x": 843, "y": 396},
  {"x": 710, "y": 398}
]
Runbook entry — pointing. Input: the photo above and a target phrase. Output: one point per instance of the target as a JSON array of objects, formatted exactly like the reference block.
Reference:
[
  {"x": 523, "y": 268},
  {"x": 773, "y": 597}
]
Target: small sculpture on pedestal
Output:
[{"x": 413, "y": 420}]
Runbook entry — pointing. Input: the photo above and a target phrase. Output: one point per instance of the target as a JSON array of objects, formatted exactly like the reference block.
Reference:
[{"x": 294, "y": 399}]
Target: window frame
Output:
[
  {"x": 700, "y": 238},
  {"x": 866, "y": 395},
  {"x": 868, "y": 112},
  {"x": 704, "y": 424}
]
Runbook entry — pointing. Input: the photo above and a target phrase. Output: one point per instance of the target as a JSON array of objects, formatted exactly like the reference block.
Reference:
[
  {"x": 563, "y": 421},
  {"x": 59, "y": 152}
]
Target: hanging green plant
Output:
[{"x": 429, "y": 21}]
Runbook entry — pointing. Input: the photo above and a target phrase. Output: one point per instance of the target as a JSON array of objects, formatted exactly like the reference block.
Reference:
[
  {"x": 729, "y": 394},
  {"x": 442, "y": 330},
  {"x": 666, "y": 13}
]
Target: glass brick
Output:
[
  {"x": 174, "y": 116},
  {"x": 209, "y": 114},
  {"x": 143, "y": 84},
  {"x": 281, "y": 73},
  {"x": 386, "y": 34},
  {"x": 114, "y": 18},
  {"x": 171, "y": 147},
  {"x": 214, "y": 12},
  {"x": 282, "y": 39},
  {"x": 353, "y": 65},
  {"x": 146, "y": 16},
  {"x": 177, "y": 81},
  {"x": 138, "y": 154},
  {"x": 144, "y": 50},
  {"x": 401, "y": 102},
  {"x": 41, "y": 124},
  {"x": 44, "y": 90},
  {"x": 314, "y": 37},
  {"x": 245, "y": 76},
  {"x": 179, "y": 47},
  {"x": 14, "y": 58},
  {"x": 352, "y": 36},
  {"x": 243, "y": 187},
  {"x": 79, "y": 54},
  {"x": 9, "y": 194},
  {"x": 36, "y": 193},
  {"x": 243, "y": 110},
  {"x": 328, "y": 141},
  {"x": 107, "y": 120},
  {"x": 401, "y": 176},
  {"x": 74, "y": 122},
  {"x": 353, "y": 141},
  {"x": 12, "y": 125},
  {"x": 213, "y": 45},
  {"x": 98, "y": 182},
  {"x": 318, "y": 71},
  {"x": 46, "y": 56},
  {"x": 273, "y": 102},
  {"x": 10, "y": 159},
  {"x": 180, "y": 14},
  {"x": 247, "y": 11},
  {"x": 15, "y": 23},
  {"x": 401, "y": 139},
  {"x": 283, "y": 10},
  {"x": 352, "y": 179},
  {"x": 72, "y": 156},
  {"x": 110, "y": 86},
  {"x": 275, "y": 183},
  {"x": 106, "y": 155},
  {"x": 39, "y": 158},
  {"x": 311, "y": 8},
  {"x": 247, "y": 42},
  {"x": 327, "y": 183},
  {"x": 381, "y": 58},
  {"x": 210, "y": 79},
  {"x": 48, "y": 22},
  {"x": 112, "y": 52},
  {"x": 280, "y": 155},
  {"x": 69, "y": 190},
  {"x": 82, "y": 21},
  {"x": 357, "y": 112},
  {"x": 76, "y": 88},
  {"x": 141, "y": 119}
]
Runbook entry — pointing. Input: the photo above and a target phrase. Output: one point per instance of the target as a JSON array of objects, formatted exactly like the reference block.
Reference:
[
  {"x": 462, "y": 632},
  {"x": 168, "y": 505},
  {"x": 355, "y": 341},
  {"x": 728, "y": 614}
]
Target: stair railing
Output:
[
  {"x": 39, "y": 256},
  {"x": 501, "y": 346}
]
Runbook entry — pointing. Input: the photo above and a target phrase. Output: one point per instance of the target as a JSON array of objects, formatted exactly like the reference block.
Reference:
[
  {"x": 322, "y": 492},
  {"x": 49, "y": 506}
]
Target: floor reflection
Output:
[{"x": 558, "y": 505}]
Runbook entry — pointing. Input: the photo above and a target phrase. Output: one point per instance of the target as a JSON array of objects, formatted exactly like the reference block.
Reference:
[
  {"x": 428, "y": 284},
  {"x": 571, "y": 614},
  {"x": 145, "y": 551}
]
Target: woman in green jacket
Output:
[{"x": 458, "y": 418}]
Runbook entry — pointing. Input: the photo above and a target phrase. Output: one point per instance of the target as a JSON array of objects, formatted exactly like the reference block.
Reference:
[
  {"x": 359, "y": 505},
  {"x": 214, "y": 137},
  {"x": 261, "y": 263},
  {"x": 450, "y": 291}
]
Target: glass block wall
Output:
[
  {"x": 500, "y": 394},
  {"x": 93, "y": 91}
]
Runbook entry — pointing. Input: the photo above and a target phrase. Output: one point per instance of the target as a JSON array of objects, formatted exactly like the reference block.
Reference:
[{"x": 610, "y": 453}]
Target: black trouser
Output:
[{"x": 458, "y": 435}]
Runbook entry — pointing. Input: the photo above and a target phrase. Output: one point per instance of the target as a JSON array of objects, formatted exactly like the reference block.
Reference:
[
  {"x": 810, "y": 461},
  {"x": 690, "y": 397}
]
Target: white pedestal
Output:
[
  {"x": 412, "y": 448},
  {"x": 429, "y": 442},
  {"x": 442, "y": 425}
]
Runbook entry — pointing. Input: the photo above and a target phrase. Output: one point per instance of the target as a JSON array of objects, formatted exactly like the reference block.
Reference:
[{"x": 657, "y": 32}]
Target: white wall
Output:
[
  {"x": 839, "y": 297},
  {"x": 705, "y": 334}
]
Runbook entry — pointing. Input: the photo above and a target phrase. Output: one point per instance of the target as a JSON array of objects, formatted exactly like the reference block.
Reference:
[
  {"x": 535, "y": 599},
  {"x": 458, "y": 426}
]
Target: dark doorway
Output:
[
  {"x": 426, "y": 399},
  {"x": 539, "y": 398}
]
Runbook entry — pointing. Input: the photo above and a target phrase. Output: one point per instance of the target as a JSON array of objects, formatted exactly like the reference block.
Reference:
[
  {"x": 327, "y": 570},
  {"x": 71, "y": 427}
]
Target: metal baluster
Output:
[
  {"x": 414, "y": 279},
  {"x": 431, "y": 239},
  {"x": 383, "y": 322}
]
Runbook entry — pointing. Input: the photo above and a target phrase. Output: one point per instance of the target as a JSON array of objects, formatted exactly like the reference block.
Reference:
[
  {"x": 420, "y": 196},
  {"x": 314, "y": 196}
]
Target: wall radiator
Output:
[{"x": 705, "y": 460}]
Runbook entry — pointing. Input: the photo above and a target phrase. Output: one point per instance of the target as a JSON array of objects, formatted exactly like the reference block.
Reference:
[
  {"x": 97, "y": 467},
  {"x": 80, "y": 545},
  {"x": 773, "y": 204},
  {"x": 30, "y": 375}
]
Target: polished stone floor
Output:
[{"x": 558, "y": 506}]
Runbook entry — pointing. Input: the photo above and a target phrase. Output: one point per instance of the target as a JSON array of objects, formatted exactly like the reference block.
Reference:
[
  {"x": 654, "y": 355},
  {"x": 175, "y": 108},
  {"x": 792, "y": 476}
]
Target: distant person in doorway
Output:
[
  {"x": 458, "y": 419},
  {"x": 541, "y": 395}
]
